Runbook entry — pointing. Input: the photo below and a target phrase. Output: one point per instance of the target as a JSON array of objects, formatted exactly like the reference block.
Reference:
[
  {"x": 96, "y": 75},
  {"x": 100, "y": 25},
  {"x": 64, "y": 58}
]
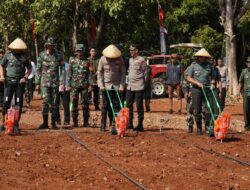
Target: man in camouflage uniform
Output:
[
  {"x": 186, "y": 88},
  {"x": 1, "y": 83},
  {"x": 15, "y": 62},
  {"x": 47, "y": 79},
  {"x": 110, "y": 76},
  {"x": 244, "y": 82},
  {"x": 79, "y": 82},
  {"x": 200, "y": 74}
]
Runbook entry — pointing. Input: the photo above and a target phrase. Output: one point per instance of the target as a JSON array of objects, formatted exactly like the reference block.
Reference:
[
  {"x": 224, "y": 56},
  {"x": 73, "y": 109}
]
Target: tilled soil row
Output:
[{"x": 160, "y": 163}]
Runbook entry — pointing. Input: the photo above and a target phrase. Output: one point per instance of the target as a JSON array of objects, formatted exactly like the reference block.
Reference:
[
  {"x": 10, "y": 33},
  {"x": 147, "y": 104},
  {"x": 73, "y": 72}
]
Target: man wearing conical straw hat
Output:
[
  {"x": 15, "y": 64},
  {"x": 201, "y": 75},
  {"x": 110, "y": 76}
]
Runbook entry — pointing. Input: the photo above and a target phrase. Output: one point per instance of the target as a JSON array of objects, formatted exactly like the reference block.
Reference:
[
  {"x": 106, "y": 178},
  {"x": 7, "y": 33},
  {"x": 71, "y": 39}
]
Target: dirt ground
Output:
[{"x": 50, "y": 159}]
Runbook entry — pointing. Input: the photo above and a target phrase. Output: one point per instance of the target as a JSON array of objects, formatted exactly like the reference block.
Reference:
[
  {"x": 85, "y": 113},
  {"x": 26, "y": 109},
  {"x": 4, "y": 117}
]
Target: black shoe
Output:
[
  {"x": 66, "y": 123},
  {"x": 247, "y": 128},
  {"x": 170, "y": 111},
  {"x": 190, "y": 129},
  {"x": 103, "y": 128},
  {"x": 199, "y": 131},
  {"x": 85, "y": 125},
  {"x": 130, "y": 127},
  {"x": 16, "y": 130},
  {"x": 2, "y": 128},
  {"x": 75, "y": 125},
  {"x": 43, "y": 126},
  {"x": 113, "y": 130},
  {"x": 147, "y": 109},
  {"x": 139, "y": 128}
]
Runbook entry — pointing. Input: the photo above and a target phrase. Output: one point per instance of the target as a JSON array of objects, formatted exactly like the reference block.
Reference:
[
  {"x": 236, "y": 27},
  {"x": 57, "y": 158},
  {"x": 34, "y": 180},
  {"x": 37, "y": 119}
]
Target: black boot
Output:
[
  {"x": 130, "y": 124},
  {"x": 53, "y": 123},
  {"x": 140, "y": 126},
  {"x": 147, "y": 106},
  {"x": 16, "y": 130},
  {"x": 75, "y": 123},
  {"x": 86, "y": 122},
  {"x": 44, "y": 125},
  {"x": 190, "y": 124}
]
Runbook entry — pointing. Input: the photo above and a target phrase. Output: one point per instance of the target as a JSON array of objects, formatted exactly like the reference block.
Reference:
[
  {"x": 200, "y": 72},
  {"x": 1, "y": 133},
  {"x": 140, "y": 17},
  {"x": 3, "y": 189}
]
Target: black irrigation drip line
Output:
[
  {"x": 244, "y": 163},
  {"x": 84, "y": 145}
]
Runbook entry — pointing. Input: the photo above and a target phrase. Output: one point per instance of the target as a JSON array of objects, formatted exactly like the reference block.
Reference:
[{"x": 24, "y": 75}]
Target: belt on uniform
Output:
[{"x": 13, "y": 79}]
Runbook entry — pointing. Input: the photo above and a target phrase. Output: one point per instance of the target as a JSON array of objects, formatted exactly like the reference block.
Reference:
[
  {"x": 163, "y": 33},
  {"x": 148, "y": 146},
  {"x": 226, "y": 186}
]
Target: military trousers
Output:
[
  {"x": 106, "y": 106},
  {"x": 223, "y": 98},
  {"x": 246, "y": 109},
  {"x": 64, "y": 97},
  {"x": 29, "y": 89},
  {"x": 75, "y": 92},
  {"x": 135, "y": 96},
  {"x": 1, "y": 93},
  {"x": 197, "y": 100},
  {"x": 49, "y": 95},
  {"x": 13, "y": 88}
]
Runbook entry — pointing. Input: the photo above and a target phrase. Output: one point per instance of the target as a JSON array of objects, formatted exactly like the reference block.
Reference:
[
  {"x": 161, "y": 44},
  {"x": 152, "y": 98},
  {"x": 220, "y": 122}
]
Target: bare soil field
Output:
[{"x": 158, "y": 160}]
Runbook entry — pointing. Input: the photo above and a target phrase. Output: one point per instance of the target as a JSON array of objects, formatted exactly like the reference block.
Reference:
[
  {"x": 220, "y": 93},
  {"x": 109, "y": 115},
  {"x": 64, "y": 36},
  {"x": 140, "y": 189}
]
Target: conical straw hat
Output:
[
  {"x": 18, "y": 44},
  {"x": 111, "y": 52},
  {"x": 202, "y": 53}
]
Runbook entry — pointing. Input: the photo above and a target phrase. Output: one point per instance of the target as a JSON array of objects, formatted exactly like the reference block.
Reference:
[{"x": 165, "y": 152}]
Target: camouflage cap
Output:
[
  {"x": 248, "y": 59},
  {"x": 50, "y": 41},
  {"x": 80, "y": 47}
]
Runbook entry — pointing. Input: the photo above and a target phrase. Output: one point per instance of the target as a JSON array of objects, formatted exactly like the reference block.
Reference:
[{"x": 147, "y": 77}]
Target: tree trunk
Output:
[
  {"x": 231, "y": 48},
  {"x": 75, "y": 18},
  {"x": 6, "y": 38}
]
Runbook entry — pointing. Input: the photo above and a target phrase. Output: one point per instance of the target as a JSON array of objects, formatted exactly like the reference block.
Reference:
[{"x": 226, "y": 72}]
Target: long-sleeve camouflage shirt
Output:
[
  {"x": 47, "y": 73},
  {"x": 79, "y": 75}
]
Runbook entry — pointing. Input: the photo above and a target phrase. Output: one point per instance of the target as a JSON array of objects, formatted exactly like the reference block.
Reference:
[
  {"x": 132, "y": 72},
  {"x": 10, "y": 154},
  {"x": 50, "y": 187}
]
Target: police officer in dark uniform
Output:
[
  {"x": 137, "y": 75},
  {"x": 201, "y": 75},
  {"x": 244, "y": 83},
  {"x": 16, "y": 62}
]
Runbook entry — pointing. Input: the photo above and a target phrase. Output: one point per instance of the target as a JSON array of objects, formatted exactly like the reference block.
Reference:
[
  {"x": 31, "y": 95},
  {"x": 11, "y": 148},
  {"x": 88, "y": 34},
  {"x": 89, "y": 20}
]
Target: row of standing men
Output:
[{"x": 53, "y": 79}]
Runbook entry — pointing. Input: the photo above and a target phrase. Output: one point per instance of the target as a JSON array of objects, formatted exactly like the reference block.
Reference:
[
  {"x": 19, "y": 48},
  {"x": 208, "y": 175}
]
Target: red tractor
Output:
[{"x": 158, "y": 65}]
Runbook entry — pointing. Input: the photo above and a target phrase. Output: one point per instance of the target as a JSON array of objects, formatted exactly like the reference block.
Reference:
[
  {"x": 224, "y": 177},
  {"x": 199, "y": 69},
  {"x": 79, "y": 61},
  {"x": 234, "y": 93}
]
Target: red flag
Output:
[
  {"x": 33, "y": 28},
  {"x": 161, "y": 15},
  {"x": 92, "y": 29}
]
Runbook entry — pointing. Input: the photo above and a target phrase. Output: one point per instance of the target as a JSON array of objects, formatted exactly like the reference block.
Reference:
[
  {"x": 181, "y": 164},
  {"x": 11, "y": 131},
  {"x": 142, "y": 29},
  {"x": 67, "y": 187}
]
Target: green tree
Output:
[{"x": 210, "y": 39}]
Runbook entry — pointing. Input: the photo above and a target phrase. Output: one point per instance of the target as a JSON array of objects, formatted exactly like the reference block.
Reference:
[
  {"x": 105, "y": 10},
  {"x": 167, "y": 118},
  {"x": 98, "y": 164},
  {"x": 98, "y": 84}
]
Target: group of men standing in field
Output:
[{"x": 58, "y": 80}]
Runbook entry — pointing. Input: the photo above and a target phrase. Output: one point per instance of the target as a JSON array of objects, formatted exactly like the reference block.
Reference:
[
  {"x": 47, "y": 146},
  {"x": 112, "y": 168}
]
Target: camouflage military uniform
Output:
[
  {"x": 79, "y": 81},
  {"x": 47, "y": 75},
  {"x": 16, "y": 65},
  {"x": 186, "y": 88},
  {"x": 244, "y": 81}
]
